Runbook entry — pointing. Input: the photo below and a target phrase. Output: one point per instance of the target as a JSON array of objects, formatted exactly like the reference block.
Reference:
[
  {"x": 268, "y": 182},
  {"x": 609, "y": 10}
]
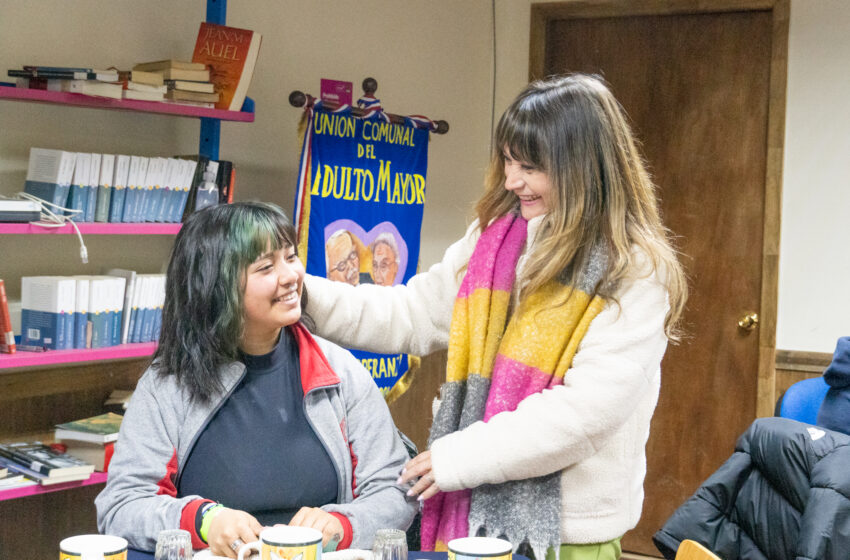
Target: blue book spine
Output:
[
  {"x": 131, "y": 325},
  {"x": 181, "y": 205},
  {"x": 129, "y": 202},
  {"x": 103, "y": 208},
  {"x": 137, "y": 324},
  {"x": 172, "y": 202},
  {"x": 107, "y": 328},
  {"x": 51, "y": 192},
  {"x": 91, "y": 202},
  {"x": 69, "y": 320},
  {"x": 77, "y": 201},
  {"x": 135, "y": 208},
  {"x": 80, "y": 320},
  {"x": 144, "y": 203},
  {"x": 42, "y": 328},
  {"x": 147, "y": 325},
  {"x": 116, "y": 327},
  {"x": 178, "y": 201},
  {"x": 155, "y": 203},
  {"x": 116, "y": 205},
  {"x": 97, "y": 320},
  {"x": 65, "y": 193},
  {"x": 157, "y": 325},
  {"x": 163, "y": 204}
]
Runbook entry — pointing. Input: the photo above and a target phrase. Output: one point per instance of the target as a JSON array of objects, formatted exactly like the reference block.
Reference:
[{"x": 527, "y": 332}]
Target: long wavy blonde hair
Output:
[{"x": 573, "y": 129}]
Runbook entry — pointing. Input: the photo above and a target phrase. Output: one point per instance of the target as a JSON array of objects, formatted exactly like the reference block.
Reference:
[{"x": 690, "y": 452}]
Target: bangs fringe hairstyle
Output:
[
  {"x": 573, "y": 129},
  {"x": 202, "y": 319}
]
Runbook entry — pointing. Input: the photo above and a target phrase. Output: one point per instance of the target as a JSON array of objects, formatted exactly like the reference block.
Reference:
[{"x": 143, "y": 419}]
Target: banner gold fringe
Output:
[
  {"x": 403, "y": 384},
  {"x": 304, "y": 226}
]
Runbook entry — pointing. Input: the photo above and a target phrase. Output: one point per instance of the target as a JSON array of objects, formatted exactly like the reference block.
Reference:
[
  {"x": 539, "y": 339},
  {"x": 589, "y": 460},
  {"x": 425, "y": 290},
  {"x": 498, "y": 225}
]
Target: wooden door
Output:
[{"x": 696, "y": 87}]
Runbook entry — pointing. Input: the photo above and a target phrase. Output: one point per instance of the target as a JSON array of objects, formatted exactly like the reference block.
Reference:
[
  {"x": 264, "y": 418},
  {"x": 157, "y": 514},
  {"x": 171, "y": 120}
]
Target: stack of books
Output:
[
  {"x": 185, "y": 82},
  {"x": 118, "y": 400},
  {"x": 87, "y": 81},
  {"x": 112, "y": 187},
  {"x": 10, "y": 478},
  {"x": 143, "y": 86},
  {"x": 91, "y": 439},
  {"x": 43, "y": 464},
  {"x": 217, "y": 77},
  {"x": 77, "y": 312}
]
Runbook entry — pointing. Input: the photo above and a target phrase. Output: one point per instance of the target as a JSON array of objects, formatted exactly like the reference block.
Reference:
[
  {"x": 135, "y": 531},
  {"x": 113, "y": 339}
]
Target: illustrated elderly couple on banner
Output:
[{"x": 359, "y": 207}]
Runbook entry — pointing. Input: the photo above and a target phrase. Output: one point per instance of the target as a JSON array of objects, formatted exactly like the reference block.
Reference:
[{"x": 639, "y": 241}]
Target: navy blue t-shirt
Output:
[{"x": 259, "y": 452}]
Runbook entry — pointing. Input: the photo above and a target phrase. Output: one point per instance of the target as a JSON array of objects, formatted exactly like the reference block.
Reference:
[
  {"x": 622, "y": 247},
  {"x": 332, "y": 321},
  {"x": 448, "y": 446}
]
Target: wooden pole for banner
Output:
[{"x": 370, "y": 86}]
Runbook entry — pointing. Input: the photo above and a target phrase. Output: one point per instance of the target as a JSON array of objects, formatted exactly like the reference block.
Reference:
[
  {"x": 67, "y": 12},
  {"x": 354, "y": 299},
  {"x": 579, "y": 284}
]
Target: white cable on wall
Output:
[{"x": 50, "y": 219}]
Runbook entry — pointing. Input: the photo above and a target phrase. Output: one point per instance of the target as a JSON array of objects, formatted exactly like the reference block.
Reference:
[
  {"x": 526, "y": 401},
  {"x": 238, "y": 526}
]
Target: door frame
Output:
[{"x": 543, "y": 13}]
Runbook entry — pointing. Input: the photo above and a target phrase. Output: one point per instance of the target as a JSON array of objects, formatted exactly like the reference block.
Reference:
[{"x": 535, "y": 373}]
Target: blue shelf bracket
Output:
[
  {"x": 217, "y": 11},
  {"x": 210, "y": 135},
  {"x": 211, "y": 128}
]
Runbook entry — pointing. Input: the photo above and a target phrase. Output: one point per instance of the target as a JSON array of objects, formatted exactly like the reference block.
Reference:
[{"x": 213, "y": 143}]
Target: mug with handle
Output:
[
  {"x": 285, "y": 542},
  {"x": 93, "y": 547}
]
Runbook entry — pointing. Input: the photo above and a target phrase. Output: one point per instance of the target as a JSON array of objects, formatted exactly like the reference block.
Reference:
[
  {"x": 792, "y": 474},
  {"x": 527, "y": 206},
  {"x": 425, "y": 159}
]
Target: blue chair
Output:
[{"x": 802, "y": 400}]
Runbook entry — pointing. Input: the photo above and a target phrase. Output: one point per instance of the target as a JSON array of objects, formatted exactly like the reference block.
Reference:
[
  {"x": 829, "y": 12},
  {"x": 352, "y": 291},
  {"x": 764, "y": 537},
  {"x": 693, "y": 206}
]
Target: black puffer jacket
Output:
[{"x": 783, "y": 495}]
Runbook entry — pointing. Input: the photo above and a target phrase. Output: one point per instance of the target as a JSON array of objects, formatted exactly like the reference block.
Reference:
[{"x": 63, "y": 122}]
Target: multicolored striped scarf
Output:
[{"x": 493, "y": 364}]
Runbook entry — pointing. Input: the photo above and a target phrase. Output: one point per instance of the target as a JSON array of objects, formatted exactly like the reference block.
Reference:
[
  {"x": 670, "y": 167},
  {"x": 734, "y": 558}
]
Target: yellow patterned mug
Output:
[
  {"x": 472, "y": 548},
  {"x": 285, "y": 542},
  {"x": 93, "y": 547}
]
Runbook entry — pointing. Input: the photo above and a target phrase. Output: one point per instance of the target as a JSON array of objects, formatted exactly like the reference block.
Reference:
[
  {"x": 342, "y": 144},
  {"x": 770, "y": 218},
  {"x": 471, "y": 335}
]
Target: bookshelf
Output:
[
  {"x": 41, "y": 389},
  {"x": 10, "y": 92},
  {"x": 55, "y": 357},
  {"x": 24, "y": 491},
  {"x": 12, "y": 493},
  {"x": 91, "y": 229}
]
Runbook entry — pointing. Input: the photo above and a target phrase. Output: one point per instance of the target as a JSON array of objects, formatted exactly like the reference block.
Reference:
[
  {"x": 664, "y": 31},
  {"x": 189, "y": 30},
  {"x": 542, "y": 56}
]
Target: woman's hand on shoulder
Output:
[
  {"x": 227, "y": 527},
  {"x": 319, "y": 519},
  {"x": 420, "y": 468}
]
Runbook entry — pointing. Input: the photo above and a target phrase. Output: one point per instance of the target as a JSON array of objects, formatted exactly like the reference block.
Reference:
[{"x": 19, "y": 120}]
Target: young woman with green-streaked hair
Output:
[{"x": 244, "y": 418}]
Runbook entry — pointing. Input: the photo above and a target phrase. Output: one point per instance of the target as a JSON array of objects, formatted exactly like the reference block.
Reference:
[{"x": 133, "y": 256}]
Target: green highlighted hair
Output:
[{"x": 202, "y": 319}]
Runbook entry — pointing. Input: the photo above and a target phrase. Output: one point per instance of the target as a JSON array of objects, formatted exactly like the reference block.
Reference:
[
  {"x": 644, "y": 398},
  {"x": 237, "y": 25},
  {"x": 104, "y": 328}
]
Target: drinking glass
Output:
[
  {"x": 390, "y": 544},
  {"x": 173, "y": 544}
]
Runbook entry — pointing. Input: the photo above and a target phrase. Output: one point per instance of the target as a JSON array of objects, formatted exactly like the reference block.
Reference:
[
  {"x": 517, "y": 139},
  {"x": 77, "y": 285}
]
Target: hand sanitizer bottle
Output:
[{"x": 207, "y": 194}]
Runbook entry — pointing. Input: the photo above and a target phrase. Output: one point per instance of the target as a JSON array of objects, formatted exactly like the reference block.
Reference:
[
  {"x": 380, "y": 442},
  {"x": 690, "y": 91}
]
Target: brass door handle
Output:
[{"x": 749, "y": 322}]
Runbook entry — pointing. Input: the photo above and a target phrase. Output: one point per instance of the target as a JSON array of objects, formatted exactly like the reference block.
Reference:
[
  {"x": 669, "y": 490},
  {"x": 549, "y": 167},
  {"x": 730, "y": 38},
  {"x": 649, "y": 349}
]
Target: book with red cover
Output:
[
  {"x": 7, "y": 336},
  {"x": 231, "y": 54}
]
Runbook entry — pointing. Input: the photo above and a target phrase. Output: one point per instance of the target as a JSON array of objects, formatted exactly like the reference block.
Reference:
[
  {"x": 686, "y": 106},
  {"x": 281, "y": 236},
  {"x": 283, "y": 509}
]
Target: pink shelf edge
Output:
[
  {"x": 80, "y": 100},
  {"x": 92, "y": 229},
  {"x": 12, "y": 493},
  {"x": 49, "y": 357}
]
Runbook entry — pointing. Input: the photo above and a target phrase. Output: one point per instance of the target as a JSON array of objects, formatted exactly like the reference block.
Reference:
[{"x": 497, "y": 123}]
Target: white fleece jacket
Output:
[{"x": 593, "y": 429}]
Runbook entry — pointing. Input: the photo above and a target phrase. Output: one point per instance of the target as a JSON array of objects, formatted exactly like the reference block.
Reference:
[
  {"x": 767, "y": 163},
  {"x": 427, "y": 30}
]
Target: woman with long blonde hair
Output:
[{"x": 556, "y": 308}]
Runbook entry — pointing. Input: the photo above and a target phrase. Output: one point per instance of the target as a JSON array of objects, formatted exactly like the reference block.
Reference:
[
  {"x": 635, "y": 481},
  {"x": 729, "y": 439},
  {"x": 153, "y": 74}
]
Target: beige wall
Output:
[
  {"x": 814, "y": 265},
  {"x": 429, "y": 57}
]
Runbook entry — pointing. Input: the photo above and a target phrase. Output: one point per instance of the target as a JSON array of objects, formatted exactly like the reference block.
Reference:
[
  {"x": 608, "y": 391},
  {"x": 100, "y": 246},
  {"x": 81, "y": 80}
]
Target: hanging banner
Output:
[{"x": 358, "y": 209}]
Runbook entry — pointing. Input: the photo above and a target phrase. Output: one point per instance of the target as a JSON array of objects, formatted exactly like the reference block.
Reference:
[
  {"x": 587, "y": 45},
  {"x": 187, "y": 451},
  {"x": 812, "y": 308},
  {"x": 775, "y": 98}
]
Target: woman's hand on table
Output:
[
  {"x": 319, "y": 519},
  {"x": 227, "y": 527},
  {"x": 420, "y": 468}
]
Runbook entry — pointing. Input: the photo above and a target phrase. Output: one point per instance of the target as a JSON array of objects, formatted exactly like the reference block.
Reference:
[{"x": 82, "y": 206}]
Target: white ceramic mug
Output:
[
  {"x": 471, "y": 548},
  {"x": 93, "y": 547},
  {"x": 286, "y": 542}
]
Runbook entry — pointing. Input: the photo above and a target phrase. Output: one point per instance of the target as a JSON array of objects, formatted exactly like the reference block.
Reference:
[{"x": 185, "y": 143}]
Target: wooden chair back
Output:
[{"x": 692, "y": 550}]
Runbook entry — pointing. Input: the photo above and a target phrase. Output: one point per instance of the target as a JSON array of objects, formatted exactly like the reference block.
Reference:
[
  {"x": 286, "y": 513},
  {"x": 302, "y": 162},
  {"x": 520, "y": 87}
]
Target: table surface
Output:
[{"x": 412, "y": 555}]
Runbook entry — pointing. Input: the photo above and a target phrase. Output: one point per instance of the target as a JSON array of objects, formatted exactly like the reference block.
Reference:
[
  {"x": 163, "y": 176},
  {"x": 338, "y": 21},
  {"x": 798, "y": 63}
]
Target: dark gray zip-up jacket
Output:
[
  {"x": 342, "y": 403},
  {"x": 783, "y": 495}
]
